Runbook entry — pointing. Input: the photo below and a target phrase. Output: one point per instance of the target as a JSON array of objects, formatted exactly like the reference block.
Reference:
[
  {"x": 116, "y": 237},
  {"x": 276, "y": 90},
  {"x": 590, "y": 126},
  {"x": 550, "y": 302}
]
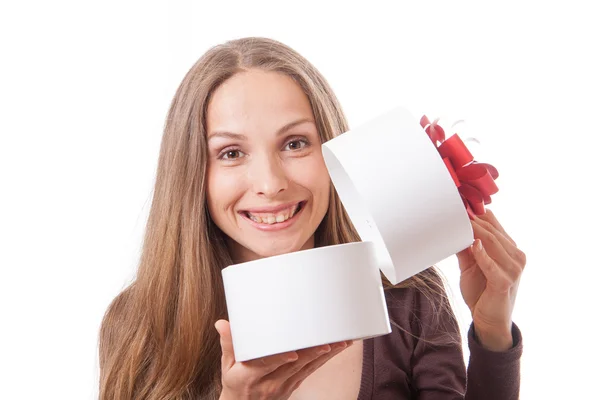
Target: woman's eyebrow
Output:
[
  {"x": 239, "y": 136},
  {"x": 227, "y": 135},
  {"x": 289, "y": 126}
]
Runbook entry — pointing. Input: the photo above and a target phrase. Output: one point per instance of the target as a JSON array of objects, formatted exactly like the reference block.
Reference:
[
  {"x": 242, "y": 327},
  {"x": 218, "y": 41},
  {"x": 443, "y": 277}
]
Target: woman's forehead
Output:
[{"x": 257, "y": 99}]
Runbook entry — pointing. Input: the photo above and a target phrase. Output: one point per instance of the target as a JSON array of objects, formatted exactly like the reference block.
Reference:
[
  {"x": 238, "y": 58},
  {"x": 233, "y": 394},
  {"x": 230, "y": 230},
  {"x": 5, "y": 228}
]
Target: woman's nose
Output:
[{"x": 268, "y": 176}]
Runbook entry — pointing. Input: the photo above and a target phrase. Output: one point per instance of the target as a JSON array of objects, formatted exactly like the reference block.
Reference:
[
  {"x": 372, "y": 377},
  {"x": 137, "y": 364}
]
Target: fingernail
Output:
[
  {"x": 478, "y": 245},
  {"x": 324, "y": 350}
]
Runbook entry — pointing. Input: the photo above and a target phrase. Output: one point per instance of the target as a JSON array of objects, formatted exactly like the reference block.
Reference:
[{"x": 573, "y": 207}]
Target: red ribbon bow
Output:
[{"x": 474, "y": 180}]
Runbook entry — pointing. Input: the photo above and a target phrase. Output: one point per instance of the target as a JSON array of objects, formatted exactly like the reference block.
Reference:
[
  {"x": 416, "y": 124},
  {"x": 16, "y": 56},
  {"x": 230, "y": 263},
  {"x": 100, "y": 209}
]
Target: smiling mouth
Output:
[{"x": 274, "y": 218}]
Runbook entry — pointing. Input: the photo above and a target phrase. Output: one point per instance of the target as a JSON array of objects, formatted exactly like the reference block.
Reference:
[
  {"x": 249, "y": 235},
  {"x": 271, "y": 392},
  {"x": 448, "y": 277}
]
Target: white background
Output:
[{"x": 85, "y": 87}]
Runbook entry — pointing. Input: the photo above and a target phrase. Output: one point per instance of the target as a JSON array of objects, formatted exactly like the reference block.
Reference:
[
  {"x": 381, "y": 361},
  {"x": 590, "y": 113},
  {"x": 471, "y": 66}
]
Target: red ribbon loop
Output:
[{"x": 474, "y": 180}]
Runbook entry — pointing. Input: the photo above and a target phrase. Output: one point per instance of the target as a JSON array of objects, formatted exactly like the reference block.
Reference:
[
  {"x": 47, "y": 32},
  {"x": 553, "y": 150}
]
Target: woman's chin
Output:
[
  {"x": 252, "y": 251},
  {"x": 281, "y": 248},
  {"x": 277, "y": 251}
]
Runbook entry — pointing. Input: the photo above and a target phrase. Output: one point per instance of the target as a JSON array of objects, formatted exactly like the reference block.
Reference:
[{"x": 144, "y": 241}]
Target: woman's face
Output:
[{"x": 268, "y": 187}]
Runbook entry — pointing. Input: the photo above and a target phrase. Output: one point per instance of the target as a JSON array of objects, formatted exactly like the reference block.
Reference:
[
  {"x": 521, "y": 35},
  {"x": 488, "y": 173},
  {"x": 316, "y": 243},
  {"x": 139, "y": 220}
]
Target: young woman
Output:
[{"x": 241, "y": 176}]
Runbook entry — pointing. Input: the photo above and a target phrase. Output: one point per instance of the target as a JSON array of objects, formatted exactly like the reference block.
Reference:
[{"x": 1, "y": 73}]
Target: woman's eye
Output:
[
  {"x": 231, "y": 155},
  {"x": 296, "y": 145}
]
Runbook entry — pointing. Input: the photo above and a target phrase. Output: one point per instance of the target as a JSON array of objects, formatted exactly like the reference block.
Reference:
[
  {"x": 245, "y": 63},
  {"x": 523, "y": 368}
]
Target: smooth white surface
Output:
[
  {"x": 304, "y": 299},
  {"x": 398, "y": 193},
  {"x": 85, "y": 88}
]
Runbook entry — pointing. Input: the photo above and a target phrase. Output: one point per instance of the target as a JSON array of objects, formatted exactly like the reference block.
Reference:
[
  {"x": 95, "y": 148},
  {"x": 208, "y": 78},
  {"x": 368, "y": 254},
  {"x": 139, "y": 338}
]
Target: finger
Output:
[
  {"x": 511, "y": 249},
  {"x": 305, "y": 356},
  {"x": 294, "y": 381},
  {"x": 228, "y": 357},
  {"x": 486, "y": 231},
  {"x": 266, "y": 365},
  {"x": 491, "y": 218},
  {"x": 500, "y": 279},
  {"x": 507, "y": 266},
  {"x": 490, "y": 269}
]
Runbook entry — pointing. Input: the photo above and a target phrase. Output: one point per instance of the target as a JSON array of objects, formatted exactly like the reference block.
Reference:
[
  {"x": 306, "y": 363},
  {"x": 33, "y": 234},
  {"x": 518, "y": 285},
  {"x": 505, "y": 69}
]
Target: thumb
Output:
[
  {"x": 487, "y": 265},
  {"x": 465, "y": 259},
  {"x": 227, "y": 358}
]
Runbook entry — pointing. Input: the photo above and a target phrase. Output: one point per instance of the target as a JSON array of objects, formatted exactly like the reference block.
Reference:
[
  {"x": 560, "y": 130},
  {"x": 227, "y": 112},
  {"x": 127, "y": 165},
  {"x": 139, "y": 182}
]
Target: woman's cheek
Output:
[
  {"x": 223, "y": 185},
  {"x": 311, "y": 173}
]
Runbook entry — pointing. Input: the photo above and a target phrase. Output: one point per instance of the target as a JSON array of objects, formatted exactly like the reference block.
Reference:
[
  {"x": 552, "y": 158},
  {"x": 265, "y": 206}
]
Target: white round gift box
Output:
[
  {"x": 409, "y": 214},
  {"x": 398, "y": 193},
  {"x": 304, "y": 299}
]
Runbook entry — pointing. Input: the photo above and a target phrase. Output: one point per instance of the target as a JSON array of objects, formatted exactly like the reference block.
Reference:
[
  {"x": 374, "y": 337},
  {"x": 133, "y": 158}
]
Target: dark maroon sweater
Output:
[{"x": 424, "y": 359}]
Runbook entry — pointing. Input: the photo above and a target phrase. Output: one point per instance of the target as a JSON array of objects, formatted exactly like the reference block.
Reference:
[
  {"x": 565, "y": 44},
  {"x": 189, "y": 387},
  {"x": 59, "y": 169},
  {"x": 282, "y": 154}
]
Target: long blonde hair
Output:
[{"x": 157, "y": 339}]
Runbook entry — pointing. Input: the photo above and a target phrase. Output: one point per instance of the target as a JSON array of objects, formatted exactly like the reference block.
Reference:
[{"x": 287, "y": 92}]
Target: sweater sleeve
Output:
[
  {"x": 438, "y": 369},
  {"x": 494, "y": 375}
]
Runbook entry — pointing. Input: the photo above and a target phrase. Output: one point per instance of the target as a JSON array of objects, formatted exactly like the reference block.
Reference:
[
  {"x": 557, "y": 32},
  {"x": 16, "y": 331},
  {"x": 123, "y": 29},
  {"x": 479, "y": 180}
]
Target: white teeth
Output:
[{"x": 271, "y": 219}]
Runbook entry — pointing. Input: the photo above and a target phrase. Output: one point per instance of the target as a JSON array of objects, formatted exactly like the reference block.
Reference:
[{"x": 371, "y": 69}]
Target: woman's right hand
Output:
[{"x": 271, "y": 377}]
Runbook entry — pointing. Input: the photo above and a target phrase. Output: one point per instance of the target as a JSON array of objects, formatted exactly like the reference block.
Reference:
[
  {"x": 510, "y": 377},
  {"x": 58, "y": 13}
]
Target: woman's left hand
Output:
[{"x": 489, "y": 281}]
